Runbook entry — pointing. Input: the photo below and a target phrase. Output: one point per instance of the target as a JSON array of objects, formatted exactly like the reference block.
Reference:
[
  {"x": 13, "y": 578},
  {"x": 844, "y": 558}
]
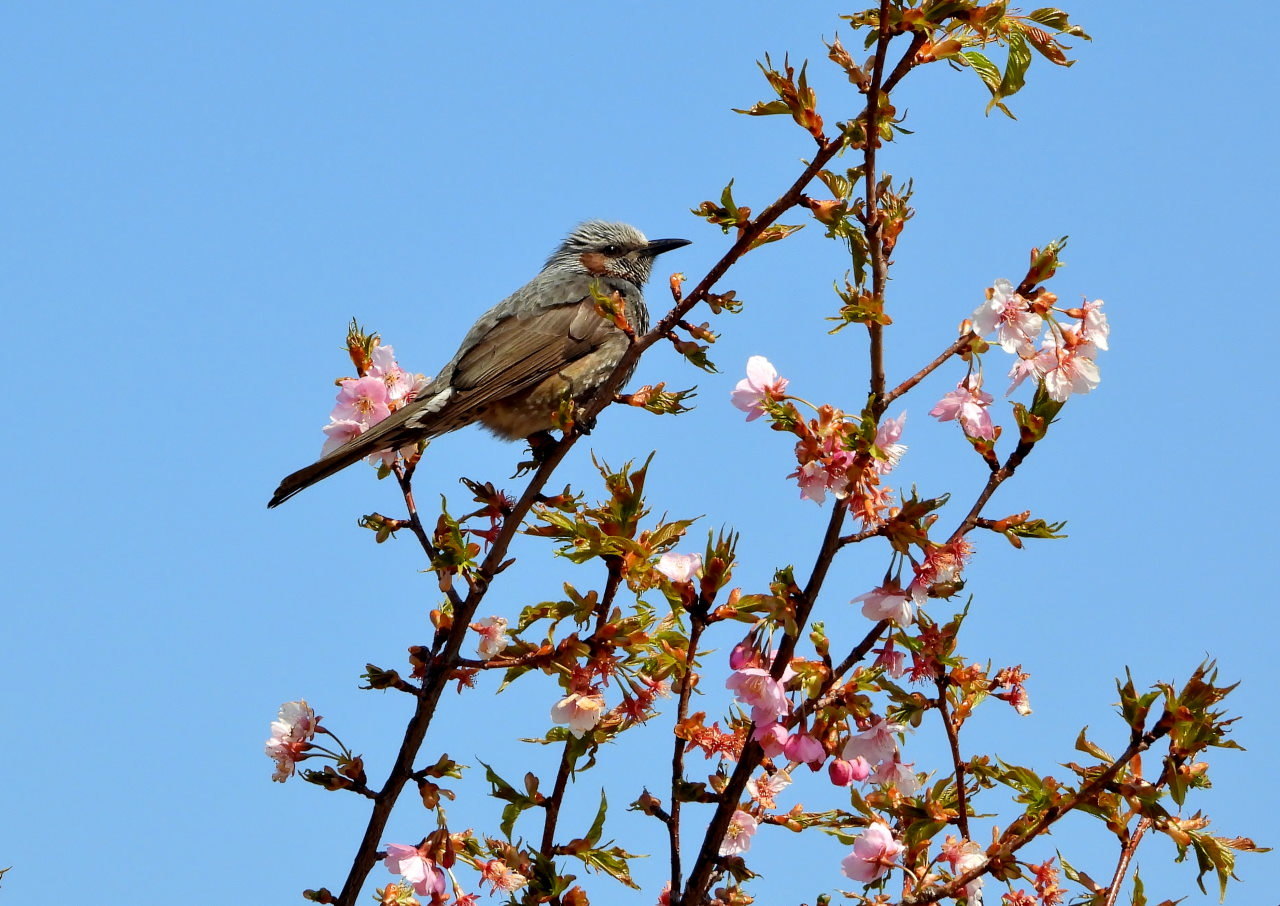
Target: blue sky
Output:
[{"x": 196, "y": 199}]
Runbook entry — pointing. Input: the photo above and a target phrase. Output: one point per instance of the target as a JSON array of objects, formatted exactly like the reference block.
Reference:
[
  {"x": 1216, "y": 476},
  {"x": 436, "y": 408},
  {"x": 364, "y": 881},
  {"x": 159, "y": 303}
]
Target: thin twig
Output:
[
  {"x": 1050, "y": 816},
  {"x": 997, "y": 478},
  {"x": 953, "y": 739},
  {"x": 677, "y": 755},
  {"x": 959, "y": 345},
  {"x": 875, "y": 243},
  {"x": 556, "y": 799},
  {"x": 1126, "y": 856}
]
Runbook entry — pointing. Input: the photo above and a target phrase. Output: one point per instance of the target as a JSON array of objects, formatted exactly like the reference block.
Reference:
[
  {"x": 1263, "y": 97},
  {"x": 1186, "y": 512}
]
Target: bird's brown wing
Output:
[
  {"x": 517, "y": 353},
  {"x": 522, "y": 350}
]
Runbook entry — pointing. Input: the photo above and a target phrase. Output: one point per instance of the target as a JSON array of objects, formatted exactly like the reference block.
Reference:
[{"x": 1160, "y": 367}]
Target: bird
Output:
[{"x": 524, "y": 357}]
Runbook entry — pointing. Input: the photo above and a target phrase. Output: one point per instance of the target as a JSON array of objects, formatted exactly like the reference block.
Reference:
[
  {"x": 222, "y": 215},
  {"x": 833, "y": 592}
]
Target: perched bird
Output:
[{"x": 539, "y": 346}]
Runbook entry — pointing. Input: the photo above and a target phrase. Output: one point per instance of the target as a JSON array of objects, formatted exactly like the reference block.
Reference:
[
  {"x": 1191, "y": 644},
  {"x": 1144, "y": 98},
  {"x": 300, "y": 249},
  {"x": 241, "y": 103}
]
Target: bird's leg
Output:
[{"x": 540, "y": 445}]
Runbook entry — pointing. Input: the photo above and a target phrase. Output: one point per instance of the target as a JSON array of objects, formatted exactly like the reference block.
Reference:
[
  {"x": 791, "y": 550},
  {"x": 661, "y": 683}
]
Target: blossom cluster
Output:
[
  {"x": 291, "y": 735},
  {"x": 829, "y": 457},
  {"x": 381, "y": 388},
  {"x": 1062, "y": 358},
  {"x": 868, "y": 754}
]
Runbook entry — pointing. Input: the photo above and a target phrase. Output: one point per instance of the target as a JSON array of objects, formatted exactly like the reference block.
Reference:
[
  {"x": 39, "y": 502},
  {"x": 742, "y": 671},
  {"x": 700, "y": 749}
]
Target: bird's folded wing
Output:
[{"x": 522, "y": 350}]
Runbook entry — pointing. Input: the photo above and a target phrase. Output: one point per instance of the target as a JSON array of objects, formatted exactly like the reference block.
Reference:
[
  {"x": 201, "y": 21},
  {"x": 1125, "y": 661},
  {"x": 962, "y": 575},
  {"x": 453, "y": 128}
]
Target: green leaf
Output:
[
  {"x": 1015, "y": 69},
  {"x": 1084, "y": 745},
  {"x": 765, "y": 108},
  {"x": 612, "y": 862},
  {"x": 597, "y": 826},
  {"x": 1058, "y": 20},
  {"x": 986, "y": 70}
]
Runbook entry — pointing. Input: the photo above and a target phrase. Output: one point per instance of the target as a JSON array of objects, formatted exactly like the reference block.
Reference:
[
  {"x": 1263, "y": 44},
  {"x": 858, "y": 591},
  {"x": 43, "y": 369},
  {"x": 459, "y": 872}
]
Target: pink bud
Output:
[
  {"x": 840, "y": 772},
  {"x": 804, "y": 748},
  {"x": 861, "y": 768},
  {"x": 743, "y": 654}
]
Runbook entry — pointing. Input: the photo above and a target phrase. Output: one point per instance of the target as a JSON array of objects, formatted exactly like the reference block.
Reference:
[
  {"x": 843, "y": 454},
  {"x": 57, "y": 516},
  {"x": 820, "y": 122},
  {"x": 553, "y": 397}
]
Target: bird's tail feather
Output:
[{"x": 389, "y": 434}]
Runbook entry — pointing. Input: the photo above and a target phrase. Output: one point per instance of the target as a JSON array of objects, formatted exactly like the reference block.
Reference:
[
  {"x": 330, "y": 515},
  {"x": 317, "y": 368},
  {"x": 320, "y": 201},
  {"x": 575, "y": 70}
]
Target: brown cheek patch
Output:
[{"x": 594, "y": 262}]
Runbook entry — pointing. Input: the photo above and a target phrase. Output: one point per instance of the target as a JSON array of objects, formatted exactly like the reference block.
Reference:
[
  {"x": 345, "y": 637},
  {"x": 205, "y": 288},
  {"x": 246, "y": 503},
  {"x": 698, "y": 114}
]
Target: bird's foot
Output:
[{"x": 540, "y": 446}]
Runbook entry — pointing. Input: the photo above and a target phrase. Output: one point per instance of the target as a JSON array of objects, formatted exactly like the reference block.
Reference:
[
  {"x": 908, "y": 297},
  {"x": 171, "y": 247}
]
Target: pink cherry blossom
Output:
[
  {"x": 893, "y": 661},
  {"x": 887, "y": 602},
  {"x": 861, "y": 768},
  {"x": 897, "y": 774},
  {"x": 762, "y": 382},
  {"x": 580, "y": 712},
  {"x": 967, "y": 404},
  {"x": 501, "y": 876},
  {"x": 415, "y": 868},
  {"x": 1066, "y": 367},
  {"x": 877, "y": 743},
  {"x": 765, "y": 790},
  {"x": 493, "y": 636},
  {"x": 965, "y": 856},
  {"x": 873, "y": 854},
  {"x": 362, "y": 400},
  {"x": 291, "y": 735},
  {"x": 680, "y": 567},
  {"x": 1019, "y": 326},
  {"x": 399, "y": 383},
  {"x": 772, "y": 737},
  {"x": 830, "y": 473},
  {"x": 737, "y": 837},
  {"x": 764, "y": 695},
  {"x": 887, "y": 442},
  {"x": 1022, "y": 369},
  {"x": 1093, "y": 325},
  {"x": 339, "y": 431},
  {"x": 803, "y": 749}
]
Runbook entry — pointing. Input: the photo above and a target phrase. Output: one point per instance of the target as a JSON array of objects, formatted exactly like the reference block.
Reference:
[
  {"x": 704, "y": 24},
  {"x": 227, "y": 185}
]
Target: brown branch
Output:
[
  {"x": 1126, "y": 856},
  {"x": 1051, "y": 816},
  {"x": 404, "y": 477},
  {"x": 828, "y": 695},
  {"x": 704, "y": 865},
  {"x": 997, "y": 478},
  {"x": 863, "y": 535},
  {"x": 953, "y": 739},
  {"x": 555, "y": 800},
  {"x": 437, "y": 675},
  {"x": 958, "y": 346},
  {"x": 875, "y": 243},
  {"x": 677, "y": 755}
]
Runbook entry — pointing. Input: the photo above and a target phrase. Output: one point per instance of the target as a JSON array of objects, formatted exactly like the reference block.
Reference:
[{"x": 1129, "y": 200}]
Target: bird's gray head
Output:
[{"x": 611, "y": 249}]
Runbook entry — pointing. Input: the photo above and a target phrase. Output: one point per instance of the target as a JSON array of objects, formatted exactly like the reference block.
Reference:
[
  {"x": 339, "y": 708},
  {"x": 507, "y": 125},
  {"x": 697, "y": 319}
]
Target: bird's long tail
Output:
[{"x": 406, "y": 426}]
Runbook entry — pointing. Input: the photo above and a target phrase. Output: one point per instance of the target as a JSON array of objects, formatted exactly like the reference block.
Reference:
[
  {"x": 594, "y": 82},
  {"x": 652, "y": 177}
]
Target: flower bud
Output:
[{"x": 840, "y": 772}]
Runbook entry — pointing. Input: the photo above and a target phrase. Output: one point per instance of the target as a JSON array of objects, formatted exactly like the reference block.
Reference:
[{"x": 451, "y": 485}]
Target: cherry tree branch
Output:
[
  {"x": 1126, "y": 856},
  {"x": 953, "y": 740},
  {"x": 1051, "y": 816},
  {"x": 697, "y": 624}
]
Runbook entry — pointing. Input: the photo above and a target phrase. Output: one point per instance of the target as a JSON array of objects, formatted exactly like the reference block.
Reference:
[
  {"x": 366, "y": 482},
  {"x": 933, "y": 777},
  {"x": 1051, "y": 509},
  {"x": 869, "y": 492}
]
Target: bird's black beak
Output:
[{"x": 657, "y": 246}]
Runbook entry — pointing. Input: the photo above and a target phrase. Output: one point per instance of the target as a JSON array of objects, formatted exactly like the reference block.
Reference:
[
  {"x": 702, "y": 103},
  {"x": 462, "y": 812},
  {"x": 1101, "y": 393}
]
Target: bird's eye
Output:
[{"x": 612, "y": 250}]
